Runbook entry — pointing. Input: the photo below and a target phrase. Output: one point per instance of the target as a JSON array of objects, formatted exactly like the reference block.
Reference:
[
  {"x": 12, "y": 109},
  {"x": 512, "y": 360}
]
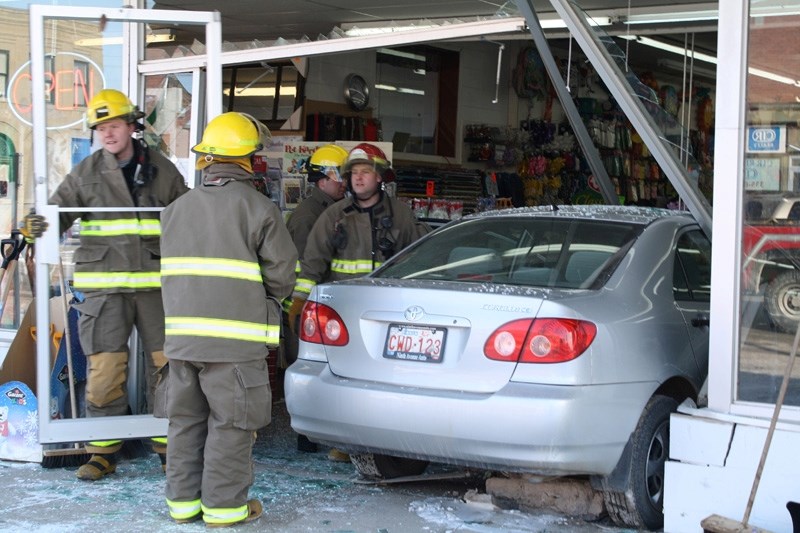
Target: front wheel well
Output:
[
  {"x": 774, "y": 264},
  {"x": 678, "y": 388}
]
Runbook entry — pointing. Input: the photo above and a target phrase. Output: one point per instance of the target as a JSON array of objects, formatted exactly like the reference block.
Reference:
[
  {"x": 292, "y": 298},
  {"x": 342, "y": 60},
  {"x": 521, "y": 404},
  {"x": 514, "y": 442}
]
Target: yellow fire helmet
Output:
[
  {"x": 109, "y": 104},
  {"x": 324, "y": 159},
  {"x": 233, "y": 135}
]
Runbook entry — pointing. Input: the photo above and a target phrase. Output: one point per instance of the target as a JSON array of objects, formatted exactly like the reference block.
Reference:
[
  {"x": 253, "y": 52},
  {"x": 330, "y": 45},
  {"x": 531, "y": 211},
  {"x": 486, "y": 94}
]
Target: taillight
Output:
[
  {"x": 322, "y": 325},
  {"x": 540, "y": 340},
  {"x": 506, "y": 341}
]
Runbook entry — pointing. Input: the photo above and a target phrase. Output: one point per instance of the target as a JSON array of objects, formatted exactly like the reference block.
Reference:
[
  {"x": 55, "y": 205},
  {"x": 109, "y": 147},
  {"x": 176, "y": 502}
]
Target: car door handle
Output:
[{"x": 701, "y": 321}]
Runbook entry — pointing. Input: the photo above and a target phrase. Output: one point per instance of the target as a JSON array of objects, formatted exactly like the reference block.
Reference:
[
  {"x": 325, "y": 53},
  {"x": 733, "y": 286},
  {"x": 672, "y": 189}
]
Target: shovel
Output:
[{"x": 11, "y": 249}]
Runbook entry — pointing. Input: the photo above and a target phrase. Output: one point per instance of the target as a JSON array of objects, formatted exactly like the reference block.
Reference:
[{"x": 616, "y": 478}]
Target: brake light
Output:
[
  {"x": 320, "y": 324},
  {"x": 541, "y": 340},
  {"x": 506, "y": 341}
]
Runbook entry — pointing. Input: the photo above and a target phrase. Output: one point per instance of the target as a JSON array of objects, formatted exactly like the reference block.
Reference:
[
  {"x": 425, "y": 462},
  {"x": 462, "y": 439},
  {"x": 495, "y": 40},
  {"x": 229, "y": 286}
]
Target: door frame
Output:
[{"x": 114, "y": 427}]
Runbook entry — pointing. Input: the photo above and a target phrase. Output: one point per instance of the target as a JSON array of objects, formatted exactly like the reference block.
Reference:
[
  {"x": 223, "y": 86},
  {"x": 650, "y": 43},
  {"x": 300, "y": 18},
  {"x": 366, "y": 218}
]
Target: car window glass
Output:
[
  {"x": 526, "y": 251},
  {"x": 692, "y": 272}
]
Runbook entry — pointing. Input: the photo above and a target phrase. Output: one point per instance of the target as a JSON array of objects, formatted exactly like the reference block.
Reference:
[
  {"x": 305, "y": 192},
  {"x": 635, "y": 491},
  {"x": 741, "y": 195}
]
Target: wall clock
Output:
[{"x": 356, "y": 92}]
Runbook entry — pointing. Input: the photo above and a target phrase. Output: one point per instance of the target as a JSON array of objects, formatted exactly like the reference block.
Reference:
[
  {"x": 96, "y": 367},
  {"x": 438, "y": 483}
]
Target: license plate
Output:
[{"x": 415, "y": 343}]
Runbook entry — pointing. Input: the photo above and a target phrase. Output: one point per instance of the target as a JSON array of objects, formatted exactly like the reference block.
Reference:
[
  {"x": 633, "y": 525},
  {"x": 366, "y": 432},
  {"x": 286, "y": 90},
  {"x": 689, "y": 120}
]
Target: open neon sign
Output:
[{"x": 64, "y": 88}]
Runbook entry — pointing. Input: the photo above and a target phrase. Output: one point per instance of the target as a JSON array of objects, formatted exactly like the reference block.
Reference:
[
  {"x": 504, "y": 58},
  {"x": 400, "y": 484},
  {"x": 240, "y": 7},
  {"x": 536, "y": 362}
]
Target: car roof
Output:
[{"x": 616, "y": 213}]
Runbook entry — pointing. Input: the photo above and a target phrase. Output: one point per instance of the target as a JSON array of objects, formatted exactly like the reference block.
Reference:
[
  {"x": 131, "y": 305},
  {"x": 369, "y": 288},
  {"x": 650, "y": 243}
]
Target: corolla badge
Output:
[{"x": 414, "y": 313}]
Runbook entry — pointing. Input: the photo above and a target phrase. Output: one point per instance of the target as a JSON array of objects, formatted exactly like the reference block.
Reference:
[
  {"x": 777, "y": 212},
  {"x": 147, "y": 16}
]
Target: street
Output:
[{"x": 300, "y": 492}]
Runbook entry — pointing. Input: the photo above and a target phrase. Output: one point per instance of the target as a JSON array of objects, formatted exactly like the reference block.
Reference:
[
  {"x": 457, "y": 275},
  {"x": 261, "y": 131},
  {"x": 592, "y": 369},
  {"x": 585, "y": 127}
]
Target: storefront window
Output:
[
  {"x": 771, "y": 205},
  {"x": 270, "y": 92},
  {"x": 80, "y": 60},
  {"x": 416, "y": 98}
]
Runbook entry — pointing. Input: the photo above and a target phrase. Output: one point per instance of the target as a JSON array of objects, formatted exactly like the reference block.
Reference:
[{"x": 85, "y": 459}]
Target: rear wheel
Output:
[
  {"x": 641, "y": 504},
  {"x": 375, "y": 465},
  {"x": 783, "y": 300}
]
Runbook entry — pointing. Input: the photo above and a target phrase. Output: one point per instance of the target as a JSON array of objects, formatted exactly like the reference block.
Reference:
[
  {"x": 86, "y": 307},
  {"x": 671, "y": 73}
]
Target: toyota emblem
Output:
[{"x": 414, "y": 313}]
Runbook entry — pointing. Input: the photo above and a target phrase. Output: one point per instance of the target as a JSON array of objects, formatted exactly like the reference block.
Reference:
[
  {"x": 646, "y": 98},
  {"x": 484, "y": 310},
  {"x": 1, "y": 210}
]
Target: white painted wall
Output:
[{"x": 712, "y": 465}]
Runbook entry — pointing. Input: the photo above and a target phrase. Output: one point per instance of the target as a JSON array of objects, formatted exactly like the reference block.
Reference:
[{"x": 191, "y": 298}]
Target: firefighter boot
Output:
[
  {"x": 254, "y": 509},
  {"x": 338, "y": 456},
  {"x": 159, "y": 445},
  {"x": 102, "y": 462}
]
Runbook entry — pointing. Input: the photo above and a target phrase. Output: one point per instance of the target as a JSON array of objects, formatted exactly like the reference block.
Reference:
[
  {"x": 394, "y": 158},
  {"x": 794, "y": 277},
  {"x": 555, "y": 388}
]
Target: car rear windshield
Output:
[{"x": 550, "y": 252}]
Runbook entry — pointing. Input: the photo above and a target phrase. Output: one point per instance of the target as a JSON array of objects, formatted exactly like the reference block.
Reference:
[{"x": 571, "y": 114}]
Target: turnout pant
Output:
[
  {"x": 214, "y": 410},
  {"x": 104, "y": 328}
]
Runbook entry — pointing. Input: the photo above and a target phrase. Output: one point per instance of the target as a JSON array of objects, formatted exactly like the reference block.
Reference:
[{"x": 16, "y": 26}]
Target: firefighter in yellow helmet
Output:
[
  {"x": 327, "y": 186},
  {"x": 117, "y": 263},
  {"x": 228, "y": 261}
]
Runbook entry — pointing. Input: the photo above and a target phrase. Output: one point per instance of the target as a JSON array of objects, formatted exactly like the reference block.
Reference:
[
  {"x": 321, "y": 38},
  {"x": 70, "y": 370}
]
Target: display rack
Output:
[{"x": 456, "y": 186}]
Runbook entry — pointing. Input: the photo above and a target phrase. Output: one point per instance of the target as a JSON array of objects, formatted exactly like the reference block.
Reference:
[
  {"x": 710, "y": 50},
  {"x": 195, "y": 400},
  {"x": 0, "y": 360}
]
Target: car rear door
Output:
[{"x": 692, "y": 290}]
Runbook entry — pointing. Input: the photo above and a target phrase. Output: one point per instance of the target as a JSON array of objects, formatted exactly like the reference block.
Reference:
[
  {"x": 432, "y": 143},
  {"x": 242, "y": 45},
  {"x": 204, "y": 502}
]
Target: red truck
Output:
[{"x": 771, "y": 250}]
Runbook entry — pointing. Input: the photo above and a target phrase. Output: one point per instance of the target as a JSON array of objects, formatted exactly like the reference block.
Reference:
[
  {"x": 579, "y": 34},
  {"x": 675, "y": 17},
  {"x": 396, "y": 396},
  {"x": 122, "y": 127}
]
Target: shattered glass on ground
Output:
[{"x": 300, "y": 492}]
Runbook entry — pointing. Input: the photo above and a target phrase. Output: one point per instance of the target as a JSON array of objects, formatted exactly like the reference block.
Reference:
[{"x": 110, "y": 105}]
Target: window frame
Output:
[
  {"x": 273, "y": 121},
  {"x": 5, "y": 57}
]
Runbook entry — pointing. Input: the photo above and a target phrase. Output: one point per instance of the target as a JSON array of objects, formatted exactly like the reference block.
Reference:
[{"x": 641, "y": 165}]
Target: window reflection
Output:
[
  {"x": 416, "y": 98},
  {"x": 270, "y": 92},
  {"x": 771, "y": 209}
]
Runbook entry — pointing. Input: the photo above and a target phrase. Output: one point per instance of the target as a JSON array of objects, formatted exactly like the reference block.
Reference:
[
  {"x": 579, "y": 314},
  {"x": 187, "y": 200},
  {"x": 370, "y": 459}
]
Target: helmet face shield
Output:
[
  {"x": 326, "y": 162},
  {"x": 264, "y": 135},
  {"x": 332, "y": 173}
]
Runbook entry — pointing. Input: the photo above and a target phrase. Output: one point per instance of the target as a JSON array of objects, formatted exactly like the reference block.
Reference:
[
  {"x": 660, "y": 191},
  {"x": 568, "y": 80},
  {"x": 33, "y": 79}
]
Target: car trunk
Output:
[{"x": 418, "y": 318}]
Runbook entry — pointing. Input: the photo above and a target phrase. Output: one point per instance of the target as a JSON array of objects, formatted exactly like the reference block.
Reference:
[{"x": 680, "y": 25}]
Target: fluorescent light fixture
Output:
[
  {"x": 772, "y": 76},
  {"x": 406, "y": 55},
  {"x": 701, "y": 12},
  {"x": 673, "y": 17},
  {"x": 647, "y": 41},
  {"x": 400, "y": 53},
  {"x": 377, "y": 28},
  {"x": 404, "y": 90},
  {"x": 699, "y": 56},
  {"x": 261, "y": 91},
  {"x": 102, "y": 41},
  {"x": 678, "y": 66}
]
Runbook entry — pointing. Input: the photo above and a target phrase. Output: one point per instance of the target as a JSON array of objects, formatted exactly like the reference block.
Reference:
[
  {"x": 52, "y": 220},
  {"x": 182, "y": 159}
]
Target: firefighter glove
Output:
[
  {"x": 294, "y": 314},
  {"x": 33, "y": 226}
]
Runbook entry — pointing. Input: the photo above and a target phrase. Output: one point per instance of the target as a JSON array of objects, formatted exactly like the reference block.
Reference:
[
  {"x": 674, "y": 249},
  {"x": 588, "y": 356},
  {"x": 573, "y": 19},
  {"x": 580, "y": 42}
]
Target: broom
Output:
[
  {"x": 720, "y": 524},
  {"x": 77, "y": 455}
]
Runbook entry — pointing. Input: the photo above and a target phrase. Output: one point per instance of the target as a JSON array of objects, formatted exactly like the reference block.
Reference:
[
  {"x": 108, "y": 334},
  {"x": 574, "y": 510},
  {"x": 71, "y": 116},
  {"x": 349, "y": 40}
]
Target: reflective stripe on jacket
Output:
[
  {"x": 223, "y": 329},
  {"x": 344, "y": 242},
  {"x": 228, "y": 261},
  {"x": 119, "y": 251}
]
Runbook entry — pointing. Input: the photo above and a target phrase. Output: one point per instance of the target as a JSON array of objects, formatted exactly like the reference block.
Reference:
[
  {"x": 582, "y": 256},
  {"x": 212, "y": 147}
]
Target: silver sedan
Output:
[{"x": 551, "y": 340}]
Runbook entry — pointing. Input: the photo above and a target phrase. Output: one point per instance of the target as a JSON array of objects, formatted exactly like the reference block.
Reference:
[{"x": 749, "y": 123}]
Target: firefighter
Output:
[
  {"x": 324, "y": 172},
  {"x": 356, "y": 234},
  {"x": 325, "y": 175},
  {"x": 117, "y": 262},
  {"x": 228, "y": 262}
]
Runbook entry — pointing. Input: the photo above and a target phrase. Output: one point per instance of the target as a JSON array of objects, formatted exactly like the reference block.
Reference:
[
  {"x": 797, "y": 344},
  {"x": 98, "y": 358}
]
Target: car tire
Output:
[
  {"x": 378, "y": 466},
  {"x": 641, "y": 504},
  {"x": 783, "y": 300}
]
